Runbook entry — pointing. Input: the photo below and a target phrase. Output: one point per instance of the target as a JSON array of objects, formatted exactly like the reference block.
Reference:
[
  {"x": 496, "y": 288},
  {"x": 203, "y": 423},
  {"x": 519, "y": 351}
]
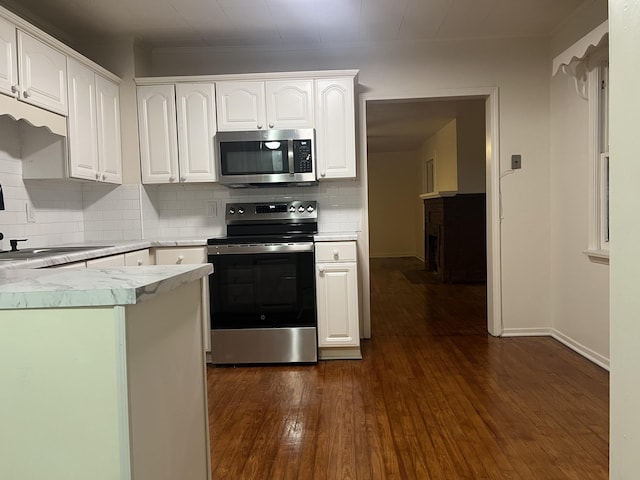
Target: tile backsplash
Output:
[
  {"x": 50, "y": 212},
  {"x": 70, "y": 212}
]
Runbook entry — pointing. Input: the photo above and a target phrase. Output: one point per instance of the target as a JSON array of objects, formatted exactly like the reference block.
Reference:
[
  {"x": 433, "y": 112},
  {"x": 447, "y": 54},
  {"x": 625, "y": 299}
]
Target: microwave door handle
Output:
[{"x": 290, "y": 155}]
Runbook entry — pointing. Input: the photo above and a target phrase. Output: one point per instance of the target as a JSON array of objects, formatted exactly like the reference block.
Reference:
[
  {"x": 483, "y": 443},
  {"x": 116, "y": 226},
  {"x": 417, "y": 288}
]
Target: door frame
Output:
[{"x": 494, "y": 263}]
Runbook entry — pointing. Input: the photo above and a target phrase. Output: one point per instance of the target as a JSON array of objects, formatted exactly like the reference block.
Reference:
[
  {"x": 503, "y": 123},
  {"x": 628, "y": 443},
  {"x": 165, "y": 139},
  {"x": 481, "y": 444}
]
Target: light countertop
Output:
[{"x": 56, "y": 288}]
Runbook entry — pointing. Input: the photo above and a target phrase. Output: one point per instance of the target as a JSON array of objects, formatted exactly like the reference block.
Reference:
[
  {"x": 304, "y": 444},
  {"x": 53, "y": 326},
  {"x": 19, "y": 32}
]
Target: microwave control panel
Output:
[{"x": 302, "y": 156}]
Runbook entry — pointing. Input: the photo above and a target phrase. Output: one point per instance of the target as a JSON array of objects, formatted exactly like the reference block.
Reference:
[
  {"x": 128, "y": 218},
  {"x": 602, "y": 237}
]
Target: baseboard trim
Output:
[
  {"x": 339, "y": 353},
  {"x": 577, "y": 347},
  {"x": 567, "y": 341}
]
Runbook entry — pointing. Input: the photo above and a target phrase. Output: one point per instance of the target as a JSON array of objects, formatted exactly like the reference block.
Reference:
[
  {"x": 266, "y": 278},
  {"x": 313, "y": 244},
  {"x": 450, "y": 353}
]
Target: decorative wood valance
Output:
[{"x": 583, "y": 56}]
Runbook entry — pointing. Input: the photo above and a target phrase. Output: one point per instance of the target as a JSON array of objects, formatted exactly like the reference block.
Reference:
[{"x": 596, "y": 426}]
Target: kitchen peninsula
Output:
[{"x": 103, "y": 373}]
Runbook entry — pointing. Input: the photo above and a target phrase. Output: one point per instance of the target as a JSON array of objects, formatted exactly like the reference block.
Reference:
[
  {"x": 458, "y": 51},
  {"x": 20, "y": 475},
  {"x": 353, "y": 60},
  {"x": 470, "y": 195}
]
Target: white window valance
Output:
[{"x": 583, "y": 56}]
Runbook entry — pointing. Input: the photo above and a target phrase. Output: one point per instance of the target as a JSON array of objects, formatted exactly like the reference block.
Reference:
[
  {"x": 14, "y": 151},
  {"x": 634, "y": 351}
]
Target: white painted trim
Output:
[
  {"x": 527, "y": 332},
  {"x": 494, "y": 277},
  {"x": 582, "y": 47},
  {"x": 316, "y": 74},
  {"x": 119, "y": 314},
  {"x": 494, "y": 235},
  {"x": 577, "y": 347}
]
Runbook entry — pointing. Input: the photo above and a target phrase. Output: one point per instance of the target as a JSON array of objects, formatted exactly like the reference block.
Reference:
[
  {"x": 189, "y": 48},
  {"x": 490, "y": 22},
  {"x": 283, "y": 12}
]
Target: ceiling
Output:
[
  {"x": 394, "y": 126},
  {"x": 282, "y": 22}
]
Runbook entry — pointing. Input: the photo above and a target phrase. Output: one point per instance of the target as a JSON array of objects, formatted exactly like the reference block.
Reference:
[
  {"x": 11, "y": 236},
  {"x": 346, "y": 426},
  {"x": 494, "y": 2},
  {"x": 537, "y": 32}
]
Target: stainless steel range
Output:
[{"x": 262, "y": 294}]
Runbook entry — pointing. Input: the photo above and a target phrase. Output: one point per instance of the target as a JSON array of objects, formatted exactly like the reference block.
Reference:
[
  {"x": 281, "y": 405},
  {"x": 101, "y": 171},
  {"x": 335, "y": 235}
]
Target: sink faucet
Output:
[{"x": 14, "y": 243}]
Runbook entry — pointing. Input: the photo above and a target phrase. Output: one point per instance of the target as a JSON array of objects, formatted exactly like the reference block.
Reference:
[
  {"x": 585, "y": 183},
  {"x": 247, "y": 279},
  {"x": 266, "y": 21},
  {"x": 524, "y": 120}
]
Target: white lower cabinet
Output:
[
  {"x": 110, "y": 261},
  {"x": 337, "y": 300},
  {"x": 138, "y": 258},
  {"x": 190, "y": 255}
]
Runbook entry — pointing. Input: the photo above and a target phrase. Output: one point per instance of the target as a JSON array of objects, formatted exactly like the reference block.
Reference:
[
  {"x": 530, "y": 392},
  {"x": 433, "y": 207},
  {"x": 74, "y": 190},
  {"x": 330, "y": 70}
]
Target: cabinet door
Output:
[
  {"x": 289, "y": 103},
  {"x": 8, "y": 62},
  {"x": 137, "y": 258},
  {"x": 193, "y": 255},
  {"x": 335, "y": 128},
  {"x": 108, "y": 130},
  {"x": 43, "y": 74},
  {"x": 110, "y": 261},
  {"x": 240, "y": 105},
  {"x": 158, "y": 135},
  {"x": 196, "y": 129},
  {"x": 337, "y": 295},
  {"x": 83, "y": 142}
]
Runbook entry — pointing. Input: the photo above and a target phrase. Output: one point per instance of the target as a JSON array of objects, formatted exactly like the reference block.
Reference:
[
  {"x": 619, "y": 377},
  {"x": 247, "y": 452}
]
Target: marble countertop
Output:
[
  {"x": 336, "y": 237},
  {"x": 100, "y": 251},
  {"x": 92, "y": 287}
]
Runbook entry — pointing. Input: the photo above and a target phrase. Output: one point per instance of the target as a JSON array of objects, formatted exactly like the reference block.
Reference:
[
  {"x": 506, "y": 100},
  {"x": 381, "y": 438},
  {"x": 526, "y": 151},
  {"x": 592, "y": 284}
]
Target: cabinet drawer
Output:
[
  {"x": 184, "y": 255},
  {"x": 137, "y": 258},
  {"x": 335, "y": 252}
]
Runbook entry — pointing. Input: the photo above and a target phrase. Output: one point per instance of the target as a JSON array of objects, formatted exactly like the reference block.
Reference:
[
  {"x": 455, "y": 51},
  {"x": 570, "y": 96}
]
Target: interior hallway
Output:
[{"x": 435, "y": 397}]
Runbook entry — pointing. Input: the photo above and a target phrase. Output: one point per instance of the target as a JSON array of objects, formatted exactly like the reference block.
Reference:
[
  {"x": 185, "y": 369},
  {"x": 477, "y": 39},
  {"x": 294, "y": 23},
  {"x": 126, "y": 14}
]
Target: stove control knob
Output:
[
  {"x": 310, "y": 209},
  {"x": 301, "y": 209},
  {"x": 232, "y": 211},
  {"x": 292, "y": 209},
  {"x": 240, "y": 210}
]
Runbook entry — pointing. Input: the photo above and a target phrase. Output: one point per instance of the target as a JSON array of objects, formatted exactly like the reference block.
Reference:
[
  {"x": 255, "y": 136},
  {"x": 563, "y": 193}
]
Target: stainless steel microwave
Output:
[{"x": 266, "y": 157}]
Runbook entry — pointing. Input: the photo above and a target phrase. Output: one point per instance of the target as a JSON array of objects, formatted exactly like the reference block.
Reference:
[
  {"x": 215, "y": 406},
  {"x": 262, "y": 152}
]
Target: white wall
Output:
[
  {"x": 471, "y": 148},
  {"x": 443, "y": 149},
  {"x": 579, "y": 287},
  {"x": 395, "y": 180},
  {"x": 57, "y": 206},
  {"x": 625, "y": 233},
  {"x": 519, "y": 67}
]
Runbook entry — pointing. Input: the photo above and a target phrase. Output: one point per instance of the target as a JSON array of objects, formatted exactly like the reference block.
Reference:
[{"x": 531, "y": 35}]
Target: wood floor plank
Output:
[{"x": 434, "y": 397}]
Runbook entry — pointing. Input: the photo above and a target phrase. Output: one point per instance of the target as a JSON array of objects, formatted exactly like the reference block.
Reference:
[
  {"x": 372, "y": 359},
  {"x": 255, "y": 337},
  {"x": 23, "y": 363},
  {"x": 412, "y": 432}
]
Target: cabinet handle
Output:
[
  {"x": 180, "y": 258},
  {"x": 14, "y": 89},
  {"x": 322, "y": 174},
  {"x": 336, "y": 254},
  {"x": 259, "y": 126},
  {"x": 97, "y": 176},
  {"x": 172, "y": 178},
  {"x": 271, "y": 125},
  {"x": 321, "y": 270},
  {"x": 26, "y": 93},
  {"x": 104, "y": 176},
  {"x": 183, "y": 179},
  {"x": 139, "y": 262}
]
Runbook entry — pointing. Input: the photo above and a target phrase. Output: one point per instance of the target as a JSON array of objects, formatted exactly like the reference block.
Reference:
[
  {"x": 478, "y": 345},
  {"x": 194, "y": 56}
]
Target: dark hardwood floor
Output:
[{"x": 434, "y": 397}]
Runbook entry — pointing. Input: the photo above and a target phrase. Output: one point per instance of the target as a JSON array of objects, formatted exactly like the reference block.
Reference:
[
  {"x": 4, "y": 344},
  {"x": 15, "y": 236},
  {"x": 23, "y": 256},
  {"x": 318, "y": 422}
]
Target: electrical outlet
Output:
[
  {"x": 31, "y": 216},
  {"x": 212, "y": 209},
  {"x": 516, "y": 162}
]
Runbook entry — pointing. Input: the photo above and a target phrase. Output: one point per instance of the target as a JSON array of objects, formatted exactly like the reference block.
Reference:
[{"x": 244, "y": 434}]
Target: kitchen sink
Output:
[{"x": 29, "y": 253}]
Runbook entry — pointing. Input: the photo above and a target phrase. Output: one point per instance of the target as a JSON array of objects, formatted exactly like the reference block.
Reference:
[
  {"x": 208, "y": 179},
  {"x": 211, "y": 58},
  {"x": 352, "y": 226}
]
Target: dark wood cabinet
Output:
[{"x": 455, "y": 238}]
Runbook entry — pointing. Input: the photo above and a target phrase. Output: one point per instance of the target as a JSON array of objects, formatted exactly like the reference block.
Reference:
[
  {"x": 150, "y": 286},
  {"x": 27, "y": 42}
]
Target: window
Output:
[
  {"x": 600, "y": 160},
  {"x": 428, "y": 178}
]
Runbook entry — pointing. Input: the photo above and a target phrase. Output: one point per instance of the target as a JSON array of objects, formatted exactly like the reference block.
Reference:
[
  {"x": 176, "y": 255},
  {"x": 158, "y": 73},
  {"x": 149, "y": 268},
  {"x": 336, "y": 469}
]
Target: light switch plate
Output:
[{"x": 516, "y": 162}]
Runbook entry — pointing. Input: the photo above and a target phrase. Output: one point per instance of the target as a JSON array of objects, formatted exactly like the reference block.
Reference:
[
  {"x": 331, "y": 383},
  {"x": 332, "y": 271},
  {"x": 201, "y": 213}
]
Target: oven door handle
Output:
[{"x": 252, "y": 249}]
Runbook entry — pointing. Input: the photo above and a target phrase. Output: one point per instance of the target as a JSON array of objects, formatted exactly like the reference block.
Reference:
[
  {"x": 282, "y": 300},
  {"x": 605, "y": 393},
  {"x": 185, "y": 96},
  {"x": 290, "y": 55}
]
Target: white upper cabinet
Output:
[
  {"x": 196, "y": 130},
  {"x": 8, "y": 61},
  {"x": 94, "y": 126},
  {"x": 256, "y": 105},
  {"x": 42, "y": 74},
  {"x": 241, "y": 105},
  {"x": 109, "y": 136},
  {"x": 335, "y": 128},
  {"x": 289, "y": 103},
  {"x": 157, "y": 129},
  {"x": 82, "y": 123},
  {"x": 177, "y": 125}
]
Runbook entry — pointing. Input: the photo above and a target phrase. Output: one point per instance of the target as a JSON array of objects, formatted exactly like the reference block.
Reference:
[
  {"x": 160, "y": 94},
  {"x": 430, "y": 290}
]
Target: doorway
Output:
[{"x": 443, "y": 112}]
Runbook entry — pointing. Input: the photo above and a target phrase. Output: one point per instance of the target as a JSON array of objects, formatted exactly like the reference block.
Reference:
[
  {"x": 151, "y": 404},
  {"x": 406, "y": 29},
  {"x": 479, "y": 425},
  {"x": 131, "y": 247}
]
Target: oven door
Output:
[
  {"x": 263, "y": 304},
  {"x": 262, "y": 288}
]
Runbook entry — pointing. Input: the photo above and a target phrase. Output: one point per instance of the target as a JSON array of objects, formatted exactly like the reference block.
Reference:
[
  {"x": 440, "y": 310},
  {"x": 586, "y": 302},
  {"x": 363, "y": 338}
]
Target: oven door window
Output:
[
  {"x": 263, "y": 290},
  {"x": 254, "y": 158}
]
